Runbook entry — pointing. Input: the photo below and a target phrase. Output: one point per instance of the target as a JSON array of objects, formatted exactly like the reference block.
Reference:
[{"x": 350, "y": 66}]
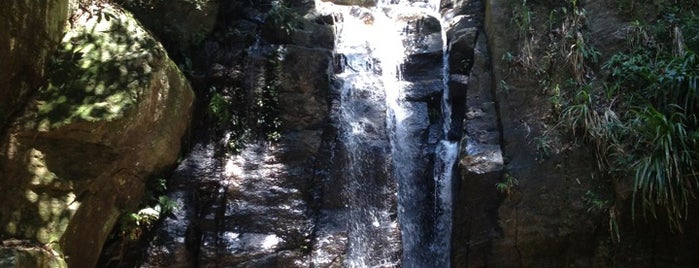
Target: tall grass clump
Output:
[
  {"x": 655, "y": 82},
  {"x": 665, "y": 176}
]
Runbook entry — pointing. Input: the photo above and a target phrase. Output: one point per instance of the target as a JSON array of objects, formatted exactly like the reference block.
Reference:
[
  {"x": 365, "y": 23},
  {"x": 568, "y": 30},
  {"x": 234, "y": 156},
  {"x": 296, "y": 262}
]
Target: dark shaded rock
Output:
[
  {"x": 300, "y": 32},
  {"x": 181, "y": 25},
  {"x": 302, "y": 84},
  {"x": 546, "y": 221},
  {"x": 251, "y": 208},
  {"x": 423, "y": 46},
  {"x": 364, "y": 3},
  {"x": 420, "y": 67},
  {"x": 31, "y": 32},
  {"x": 481, "y": 164},
  {"x": 314, "y": 35},
  {"x": 423, "y": 90},
  {"x": 461, "y": 51},
  {"x": 177, "y": 240},
  {"x": 330, "y": 238},
  {"x": 543, "y": 222}
]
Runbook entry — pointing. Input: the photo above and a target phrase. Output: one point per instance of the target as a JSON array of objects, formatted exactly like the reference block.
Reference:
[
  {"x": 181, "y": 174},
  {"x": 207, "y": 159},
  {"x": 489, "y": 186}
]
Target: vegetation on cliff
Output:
[
  {"x": 655, "y": 85},
  {"x": 636, "y": 106}
]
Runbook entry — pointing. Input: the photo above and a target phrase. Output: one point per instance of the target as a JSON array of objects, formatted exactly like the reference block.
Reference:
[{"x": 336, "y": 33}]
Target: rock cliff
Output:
[{"x": 87, "y": 121}]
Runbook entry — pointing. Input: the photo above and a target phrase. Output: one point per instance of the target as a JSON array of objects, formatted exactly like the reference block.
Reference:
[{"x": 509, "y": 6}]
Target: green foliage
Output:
[
  {"x": 507, "y": 185},
  {"x": 522, "y": 20},
  {"x": 250, "y": 113},
  {"x": 219, "y": 108},
  {"x": 504, "y": 87},
  {"x": 267, "y": 102},
  {"x": 544, "y": 146},
  {"x": 665, "y": 174},
  {"x": 281, "y": 16},
  {"x": 643, "y": 122},
  {"x": 133, "y": 225},
  {"x": 594, "y": 202}
]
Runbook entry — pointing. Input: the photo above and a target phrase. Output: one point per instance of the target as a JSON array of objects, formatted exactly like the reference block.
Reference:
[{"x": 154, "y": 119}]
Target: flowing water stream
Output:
[{"x": 385, "y": 135}]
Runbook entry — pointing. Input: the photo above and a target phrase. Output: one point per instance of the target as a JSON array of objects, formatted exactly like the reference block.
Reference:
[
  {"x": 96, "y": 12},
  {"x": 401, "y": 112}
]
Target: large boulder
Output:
[{"x": 112, "y": 113}]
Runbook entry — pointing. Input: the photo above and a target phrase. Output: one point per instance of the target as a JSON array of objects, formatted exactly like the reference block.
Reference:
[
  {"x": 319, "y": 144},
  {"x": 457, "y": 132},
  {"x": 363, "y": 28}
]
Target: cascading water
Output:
[
  {"x": 446, "y": 154},
  {"x": 373, "y": 45},
  {"x": 364, "y": 136}
]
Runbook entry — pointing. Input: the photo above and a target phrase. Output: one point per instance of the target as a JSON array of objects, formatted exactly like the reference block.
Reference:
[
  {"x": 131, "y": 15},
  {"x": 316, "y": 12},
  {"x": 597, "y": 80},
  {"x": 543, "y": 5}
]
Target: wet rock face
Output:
[
  {"x": 475, "y": 117},
  {"x": 251, "y": 207},
  {"x": 423, "y": 42},
  {"x": 112, "y": 114}
]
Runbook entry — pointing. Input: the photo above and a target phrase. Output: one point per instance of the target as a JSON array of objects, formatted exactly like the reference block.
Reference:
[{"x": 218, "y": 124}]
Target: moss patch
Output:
[{"x": 99, "y": 72}]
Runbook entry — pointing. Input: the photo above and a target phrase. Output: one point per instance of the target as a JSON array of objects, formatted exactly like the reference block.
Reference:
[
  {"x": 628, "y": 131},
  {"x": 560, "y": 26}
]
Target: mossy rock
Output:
[
  {"x": 113, "y": 112},
  {"x": 100, "y": 71}
]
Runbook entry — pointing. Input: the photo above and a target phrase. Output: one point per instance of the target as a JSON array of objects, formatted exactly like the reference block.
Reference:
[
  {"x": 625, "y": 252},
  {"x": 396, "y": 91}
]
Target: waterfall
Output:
[
  {"x": 364, "y": 136},
  {"x": 446, "y": 154},
  {"x": 385, "y": 135}
]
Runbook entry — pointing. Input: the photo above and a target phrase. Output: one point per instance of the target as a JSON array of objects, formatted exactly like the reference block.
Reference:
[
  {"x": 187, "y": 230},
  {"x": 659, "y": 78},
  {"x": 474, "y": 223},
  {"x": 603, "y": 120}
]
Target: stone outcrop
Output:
[
  {"x": 112, "y": 113},
  {"x": 252, "y": 207},
  {"x": 31, "y": 31}
]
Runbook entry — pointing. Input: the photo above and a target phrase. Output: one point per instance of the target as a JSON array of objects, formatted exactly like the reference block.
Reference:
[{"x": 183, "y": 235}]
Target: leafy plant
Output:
[
  {"x": 133, "y": 225},
  {"x": 283, "y": 17},
  {"x": 269, "y": 120},
  {"x": 655, "y": 83},
  {"x": 543, "y": 146},
  {"x": 522, "y": 20},
  {"x": 507, "y": 185},
  {"x": 665, "y": 177},
  {"x": 594, "y": 202},
  {"x": 504, "y": 87},
  {"x": 218, "y": 108}
]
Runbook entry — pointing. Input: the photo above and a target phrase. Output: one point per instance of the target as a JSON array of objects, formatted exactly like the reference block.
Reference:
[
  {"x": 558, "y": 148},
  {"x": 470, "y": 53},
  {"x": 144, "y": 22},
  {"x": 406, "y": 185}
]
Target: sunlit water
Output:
[{"x": 371, "y": 45}]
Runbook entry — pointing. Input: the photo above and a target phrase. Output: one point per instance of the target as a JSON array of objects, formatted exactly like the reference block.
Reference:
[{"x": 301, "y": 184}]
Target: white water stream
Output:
[{"x": 371, "y": 43}]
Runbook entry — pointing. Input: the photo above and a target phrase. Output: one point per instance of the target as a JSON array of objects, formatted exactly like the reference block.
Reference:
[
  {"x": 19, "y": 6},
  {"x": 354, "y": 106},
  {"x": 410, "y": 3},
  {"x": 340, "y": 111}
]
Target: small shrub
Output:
[
  {"x": 281, "y": 16},
  {"x": 218, "y": 108},
  {"x": 507, "y": 185},
  {"x": 665, "y": 176}
]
